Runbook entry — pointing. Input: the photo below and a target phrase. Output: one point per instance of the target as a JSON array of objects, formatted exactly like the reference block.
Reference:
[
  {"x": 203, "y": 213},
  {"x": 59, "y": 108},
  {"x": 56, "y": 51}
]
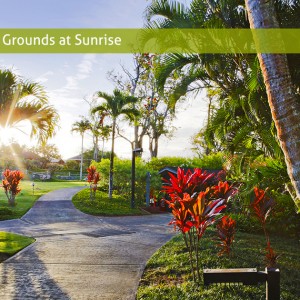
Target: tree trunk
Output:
[
  {"x": 96, "y": 149},
  {"x": 138, "y": 140},
  {"x": 285, "y": 107},
  {"x": 111, "y": 165},
  {"x": 153, "y": 146},
  {"x": 81, "y": 158}
]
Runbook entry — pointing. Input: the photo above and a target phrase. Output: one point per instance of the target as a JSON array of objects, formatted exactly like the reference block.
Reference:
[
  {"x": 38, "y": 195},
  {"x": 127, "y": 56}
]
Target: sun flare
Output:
[
  {"x": 6, "y": 135},
  {"x": 18, "y": 134}
]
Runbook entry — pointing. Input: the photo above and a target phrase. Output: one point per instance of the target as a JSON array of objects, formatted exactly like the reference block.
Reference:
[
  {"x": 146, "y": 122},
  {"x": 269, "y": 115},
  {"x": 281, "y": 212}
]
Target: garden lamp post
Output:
[{"x": 134, "y": 151}]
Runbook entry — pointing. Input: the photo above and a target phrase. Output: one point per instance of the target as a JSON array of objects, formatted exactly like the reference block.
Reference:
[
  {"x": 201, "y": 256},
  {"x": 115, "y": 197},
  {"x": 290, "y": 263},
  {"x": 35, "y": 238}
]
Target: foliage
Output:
[
  {"x": 188, "y": 182},
  {"x": 45, "y": 153},
  {"x": 5, "y": 212},
  {"x": 261, "y": 207},
  {"x": 93, "y": 179},
  {"x": 11, "y": 243},
  {"x": 103, "y": 205},
  {"x": 52, "y": 168},
  {"x": 155, "y": 114},
  {"x": 195, "y": 204},
  {"x": 212, "y": 161},
  {"x": 10, "y": 184},
  {"x": 71, "y": 165},
  {"x": 167, "y": 274},
  {"x": 26, "y": 100},
  {"x": 122, "y": 178},
  {"x": 115, "y": 106},
  {"x": 226, "y": 231}
]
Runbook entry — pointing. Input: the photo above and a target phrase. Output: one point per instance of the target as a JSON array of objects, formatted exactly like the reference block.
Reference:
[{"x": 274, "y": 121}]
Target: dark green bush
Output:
[
  {"x": 5, "y": 212},
  {"x": 284, "y": 220},
  {"x": 122, "y": 178},
  {"x": 246, "y": 223}
]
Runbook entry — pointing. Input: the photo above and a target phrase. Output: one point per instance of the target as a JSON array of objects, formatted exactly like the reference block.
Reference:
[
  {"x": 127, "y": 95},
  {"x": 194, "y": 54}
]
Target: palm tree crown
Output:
[{"x": 24, "y": 100}]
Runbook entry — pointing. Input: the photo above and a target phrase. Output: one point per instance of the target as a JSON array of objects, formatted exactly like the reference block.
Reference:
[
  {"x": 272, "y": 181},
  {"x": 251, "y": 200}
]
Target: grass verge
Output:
[
  {"x": 167, "y": 274},
  {"x": 102, "y": 205},
  {"x": 11, "y": 243},
  {"x": 26, "y": 198}
]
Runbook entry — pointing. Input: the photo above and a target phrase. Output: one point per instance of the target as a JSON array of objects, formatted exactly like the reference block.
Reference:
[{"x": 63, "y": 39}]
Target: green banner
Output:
[{"x": 149, "y": 40}]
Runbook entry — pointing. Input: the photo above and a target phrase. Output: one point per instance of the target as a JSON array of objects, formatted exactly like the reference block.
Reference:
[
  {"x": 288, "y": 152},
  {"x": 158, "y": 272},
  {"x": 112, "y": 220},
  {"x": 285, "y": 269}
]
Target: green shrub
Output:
[
  {"x": 284, "y": 220},
  {"x": 122, "y": 178},
  {"x": 5, "y": 212},
  {"x": 212, "y": 161},
  {"x": 246, "y": 223}
]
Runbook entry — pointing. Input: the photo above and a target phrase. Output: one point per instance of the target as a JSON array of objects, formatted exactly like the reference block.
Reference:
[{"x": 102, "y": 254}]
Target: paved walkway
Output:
[{"x": 78, "y": 256}]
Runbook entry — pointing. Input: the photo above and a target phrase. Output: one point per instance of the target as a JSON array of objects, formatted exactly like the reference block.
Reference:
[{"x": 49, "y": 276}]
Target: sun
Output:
[
  {"x": 18, "y": 134},
  {"x": 6, "y": 135}
]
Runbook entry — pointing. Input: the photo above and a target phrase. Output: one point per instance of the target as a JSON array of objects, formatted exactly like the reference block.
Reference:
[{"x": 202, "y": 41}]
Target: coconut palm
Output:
[
  {"x": 282, "y": 97},
  {"x": 81, "y": 126},
  {"x": 114, "y": 106},
  {"x": 24, "y": 100}
]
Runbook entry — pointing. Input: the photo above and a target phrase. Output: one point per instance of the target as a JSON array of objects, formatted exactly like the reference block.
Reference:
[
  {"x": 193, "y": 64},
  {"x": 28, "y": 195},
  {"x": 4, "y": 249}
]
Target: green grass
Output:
[
  {"x": 102, "y": 205},
  {"x": 25, "y": 199},
  {"x": 11, "y": 243},
  {"x": 167, "y": 274}
]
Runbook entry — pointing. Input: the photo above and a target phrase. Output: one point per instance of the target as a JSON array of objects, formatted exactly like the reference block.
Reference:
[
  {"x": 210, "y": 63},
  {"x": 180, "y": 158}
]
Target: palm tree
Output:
[
  {"x": 283, "y": 100},
  {"x": 114, "y": 106},
  {"x": 24, "y": 100},
  {"x": 81, "y": 127}
]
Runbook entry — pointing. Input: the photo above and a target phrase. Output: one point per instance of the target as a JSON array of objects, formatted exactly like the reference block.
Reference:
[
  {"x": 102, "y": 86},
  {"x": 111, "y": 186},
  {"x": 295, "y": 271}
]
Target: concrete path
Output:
[{"x": 78, "y": 256}]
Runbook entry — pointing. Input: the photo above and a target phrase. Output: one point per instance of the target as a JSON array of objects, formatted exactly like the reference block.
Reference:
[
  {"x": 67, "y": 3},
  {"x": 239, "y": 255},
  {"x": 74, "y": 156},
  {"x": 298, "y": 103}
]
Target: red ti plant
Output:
[
  {"x": 226, "y": 232},
  {"x": 223, "y": 190},
  {"x": 187, "y": 182},
  {"x": 193, "y": 209},
  {"x": 93, "y": 179},
  {"x": 10, "y": 184},
  {"x": 262, "y": 207}
]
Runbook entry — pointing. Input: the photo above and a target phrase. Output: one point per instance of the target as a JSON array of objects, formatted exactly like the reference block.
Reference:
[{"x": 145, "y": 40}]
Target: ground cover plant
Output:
[
  {"x": 168, "y": 276},
  {"x": 28, "y": 195},
  {"x": 101, "y": 204},
  {"x": 11, "y": 243},
  {"x": 196, "y": 201}
]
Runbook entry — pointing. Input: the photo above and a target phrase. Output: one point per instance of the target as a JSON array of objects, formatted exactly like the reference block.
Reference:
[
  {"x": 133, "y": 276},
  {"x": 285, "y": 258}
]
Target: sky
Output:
[{"x": 69, "y": 78}]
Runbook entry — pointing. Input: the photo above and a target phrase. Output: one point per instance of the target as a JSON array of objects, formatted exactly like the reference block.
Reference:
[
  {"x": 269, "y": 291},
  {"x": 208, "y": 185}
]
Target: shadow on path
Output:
[{"x": 21, "y": 280}]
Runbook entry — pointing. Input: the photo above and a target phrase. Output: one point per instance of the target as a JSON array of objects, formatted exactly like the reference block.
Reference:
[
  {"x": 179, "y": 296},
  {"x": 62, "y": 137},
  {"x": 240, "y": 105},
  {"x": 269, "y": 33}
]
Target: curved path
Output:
[{"x": 78, "y": 256}]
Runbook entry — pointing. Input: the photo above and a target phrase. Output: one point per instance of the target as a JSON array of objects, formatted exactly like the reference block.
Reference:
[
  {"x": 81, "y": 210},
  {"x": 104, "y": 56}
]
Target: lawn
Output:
[
  {"x": 11, "y": 243},
  {"x": 167, "y": 274},
  {"x": 26, "y": 198},
  {"x": 102, "y": 205}
]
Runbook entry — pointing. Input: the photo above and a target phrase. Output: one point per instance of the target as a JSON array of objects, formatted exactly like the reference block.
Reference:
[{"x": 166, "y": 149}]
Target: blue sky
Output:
[{"x": 68, "y": 78}]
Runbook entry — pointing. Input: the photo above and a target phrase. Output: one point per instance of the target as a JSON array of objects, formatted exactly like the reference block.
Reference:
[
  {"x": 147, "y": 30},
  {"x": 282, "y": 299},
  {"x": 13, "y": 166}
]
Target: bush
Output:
[
  {"x": 284, "y": 221},
  {"x": 246, "y": 223},
  {"x": 122, "y": 178},
  {"x": 5, "y": 212},
  {"x": 212, "y": 161}
]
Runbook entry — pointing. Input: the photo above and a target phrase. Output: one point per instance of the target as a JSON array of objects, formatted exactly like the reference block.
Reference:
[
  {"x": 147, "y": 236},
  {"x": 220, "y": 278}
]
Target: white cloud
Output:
[
  {"x": 44, "y": 77},
  {"x": 83, "y": 71}
]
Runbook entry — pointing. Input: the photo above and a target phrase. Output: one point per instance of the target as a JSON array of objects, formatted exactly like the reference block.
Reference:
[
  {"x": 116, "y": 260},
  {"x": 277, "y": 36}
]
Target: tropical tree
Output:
[
  {"x": 81, "y": 126},
  {"x": 114, "y": 106},
  {"x": 22, "y": 100},
  {"x": 242, "y": 120},
  {"x": 283, "y": 99},
  {"x": 156, "y": 115}
]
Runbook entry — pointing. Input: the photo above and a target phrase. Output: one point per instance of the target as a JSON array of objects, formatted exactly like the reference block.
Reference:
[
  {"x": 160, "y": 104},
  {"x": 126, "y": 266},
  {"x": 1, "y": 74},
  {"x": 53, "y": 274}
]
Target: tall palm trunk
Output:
[
  {"x": 81, "y": 158},
  {"x": 111, "y": 165},
  {"x": 285, "y": 106}
]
